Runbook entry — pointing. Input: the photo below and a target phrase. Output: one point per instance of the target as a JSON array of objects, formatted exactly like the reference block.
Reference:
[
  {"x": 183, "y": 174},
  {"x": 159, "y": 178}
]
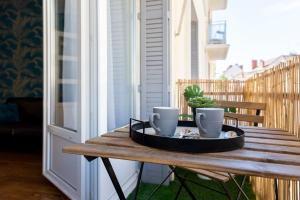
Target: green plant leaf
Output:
[
  {"x": 185, "y": 117},
  {"x": 192, "y": 91},
  {"x": 201, "y": 102},
  {"x": 232, "y": 110}
]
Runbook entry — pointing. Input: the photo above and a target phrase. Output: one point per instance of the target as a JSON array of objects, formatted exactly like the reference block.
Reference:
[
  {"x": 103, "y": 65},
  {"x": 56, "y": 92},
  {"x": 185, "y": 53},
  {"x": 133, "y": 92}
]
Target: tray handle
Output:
[{"x": 131, "y": 121}]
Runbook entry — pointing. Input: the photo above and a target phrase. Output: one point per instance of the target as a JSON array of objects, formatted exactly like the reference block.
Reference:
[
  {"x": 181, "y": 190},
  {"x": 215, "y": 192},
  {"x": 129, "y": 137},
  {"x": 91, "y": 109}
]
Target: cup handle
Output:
[
  {"x": 198, "y": 122},
  {"x": 151, "y": 121}
]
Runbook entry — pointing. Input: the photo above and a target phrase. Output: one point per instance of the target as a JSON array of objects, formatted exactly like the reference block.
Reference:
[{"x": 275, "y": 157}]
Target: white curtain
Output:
[
  {"x": 119, "y": 64},
  {"x": 119, "y": 89}
]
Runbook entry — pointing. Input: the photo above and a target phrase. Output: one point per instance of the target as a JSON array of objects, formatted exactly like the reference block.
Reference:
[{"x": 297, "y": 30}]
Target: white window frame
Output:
[{"x": 84, "y": 103}]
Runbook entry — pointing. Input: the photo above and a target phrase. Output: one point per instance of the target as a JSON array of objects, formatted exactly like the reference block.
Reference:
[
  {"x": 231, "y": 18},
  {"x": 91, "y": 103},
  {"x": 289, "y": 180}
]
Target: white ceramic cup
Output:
[
  {"x": 164, "y": 120},
  {"x": 209, "y": 121}
]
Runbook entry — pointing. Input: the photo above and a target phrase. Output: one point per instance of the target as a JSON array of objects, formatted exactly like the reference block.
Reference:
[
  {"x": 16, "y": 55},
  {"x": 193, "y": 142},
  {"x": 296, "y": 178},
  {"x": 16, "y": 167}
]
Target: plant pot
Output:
[{"x": 194, "y": 114}]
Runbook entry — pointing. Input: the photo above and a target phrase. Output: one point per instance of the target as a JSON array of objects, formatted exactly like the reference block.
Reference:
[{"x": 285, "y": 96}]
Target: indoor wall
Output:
[{"x": 21, "y": 43}]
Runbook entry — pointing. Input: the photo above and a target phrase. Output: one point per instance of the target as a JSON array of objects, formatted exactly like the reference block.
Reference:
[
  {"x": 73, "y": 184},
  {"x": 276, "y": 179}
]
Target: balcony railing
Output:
[{"x": 217, "y": 33}]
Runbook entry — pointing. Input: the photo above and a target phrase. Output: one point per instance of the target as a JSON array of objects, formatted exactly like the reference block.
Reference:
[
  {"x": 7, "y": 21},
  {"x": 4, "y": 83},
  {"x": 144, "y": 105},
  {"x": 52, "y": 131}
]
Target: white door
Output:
[{"x": 66, "y": 118}]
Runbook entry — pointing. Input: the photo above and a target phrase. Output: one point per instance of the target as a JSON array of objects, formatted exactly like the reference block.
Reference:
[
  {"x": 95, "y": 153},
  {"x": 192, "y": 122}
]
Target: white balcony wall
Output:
[
  {"x": 184, "y": 13},
  {"x": 181, "y": 19},
  {"x": 180, "y": 44},
  {"x": 180, "y": 39},
  {"x": 203, "y": 20}
]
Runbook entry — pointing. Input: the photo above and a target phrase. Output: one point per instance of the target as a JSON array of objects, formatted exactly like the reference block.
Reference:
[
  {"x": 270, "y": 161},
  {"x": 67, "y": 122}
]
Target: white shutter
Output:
[
  {"x": 154, "y": 55},
  {"x": 154, "y": 70}
]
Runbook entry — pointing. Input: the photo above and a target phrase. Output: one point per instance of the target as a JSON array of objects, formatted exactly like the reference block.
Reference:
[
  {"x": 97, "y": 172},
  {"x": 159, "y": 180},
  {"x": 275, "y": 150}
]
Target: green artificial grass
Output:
[{"x": 169, "y": 192}]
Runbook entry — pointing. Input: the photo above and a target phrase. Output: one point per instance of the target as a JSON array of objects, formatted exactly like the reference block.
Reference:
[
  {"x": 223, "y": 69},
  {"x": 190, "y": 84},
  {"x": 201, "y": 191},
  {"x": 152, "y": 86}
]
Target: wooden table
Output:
[{"x": 269, "y": 153}]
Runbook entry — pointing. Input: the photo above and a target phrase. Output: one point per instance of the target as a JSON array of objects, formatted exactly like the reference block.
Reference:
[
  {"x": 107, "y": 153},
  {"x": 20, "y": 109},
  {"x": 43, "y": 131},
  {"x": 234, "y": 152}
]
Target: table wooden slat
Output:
[
  {"x": 123, "y": 129},
  {"x": 272, "y": 141},
  {"x": 272, "y": 136},
  {"x": 215, "y": 175},
  {"x": 116, "y": 134},
  {"x": 266, "y": 153},
  {"x": 197, "y": 161},
  {"x": 241, "y": 154},
  {"x": 272, "y": 148},
  {"x": 251, "y": 146}
]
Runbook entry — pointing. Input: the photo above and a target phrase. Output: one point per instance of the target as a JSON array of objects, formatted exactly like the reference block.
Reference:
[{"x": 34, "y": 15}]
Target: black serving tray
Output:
[{"x": 203, "y": 145}]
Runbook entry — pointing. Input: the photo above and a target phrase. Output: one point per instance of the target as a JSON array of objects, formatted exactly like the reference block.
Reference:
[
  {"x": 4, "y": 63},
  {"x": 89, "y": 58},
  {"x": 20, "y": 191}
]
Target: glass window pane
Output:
[{"x": 67, "y": 63}]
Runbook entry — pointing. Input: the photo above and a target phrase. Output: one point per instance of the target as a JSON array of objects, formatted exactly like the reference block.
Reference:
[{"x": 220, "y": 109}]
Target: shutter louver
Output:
[{"x": 154, "y": 57}]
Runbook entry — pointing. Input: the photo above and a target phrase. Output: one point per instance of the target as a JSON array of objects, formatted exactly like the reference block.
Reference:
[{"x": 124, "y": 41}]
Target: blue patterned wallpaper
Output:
[{"x": 21, "y": 43}]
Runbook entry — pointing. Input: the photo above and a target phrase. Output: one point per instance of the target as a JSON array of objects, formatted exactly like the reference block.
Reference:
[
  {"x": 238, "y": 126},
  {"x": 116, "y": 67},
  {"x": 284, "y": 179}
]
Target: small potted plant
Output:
[
  {"x": 200, "y": 102},
  {"x": 195, "y": 99},
  {"x": 192, "y": 91}
]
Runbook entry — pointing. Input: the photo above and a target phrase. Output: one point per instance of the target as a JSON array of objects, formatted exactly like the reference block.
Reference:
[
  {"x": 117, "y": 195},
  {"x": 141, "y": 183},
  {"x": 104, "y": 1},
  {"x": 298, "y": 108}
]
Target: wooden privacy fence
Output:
[{"x": 279, "y": 88}]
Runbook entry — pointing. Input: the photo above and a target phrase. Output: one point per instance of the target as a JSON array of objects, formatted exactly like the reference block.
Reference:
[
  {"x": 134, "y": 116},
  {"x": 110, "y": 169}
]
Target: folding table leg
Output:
[
  {"x": 113, "y": 178},
  {"x": 159, "y": 186},
  {"x": 242, "y": 185},
  {"x": 180, "y": 187},
  {"x": 139, "y": 180},
  {"x": 227, "y": 193},
  {"x": 155, "y": 189},
  {"x": 181, "y": 180},
  {"x": 178, "y": 192},
  {"x": 239, "y": 187}
]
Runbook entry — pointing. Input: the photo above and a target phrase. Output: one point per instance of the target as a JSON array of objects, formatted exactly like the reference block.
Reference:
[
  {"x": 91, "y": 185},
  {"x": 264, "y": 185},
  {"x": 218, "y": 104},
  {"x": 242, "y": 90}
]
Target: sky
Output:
[{"x": 259, "y": 29}]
